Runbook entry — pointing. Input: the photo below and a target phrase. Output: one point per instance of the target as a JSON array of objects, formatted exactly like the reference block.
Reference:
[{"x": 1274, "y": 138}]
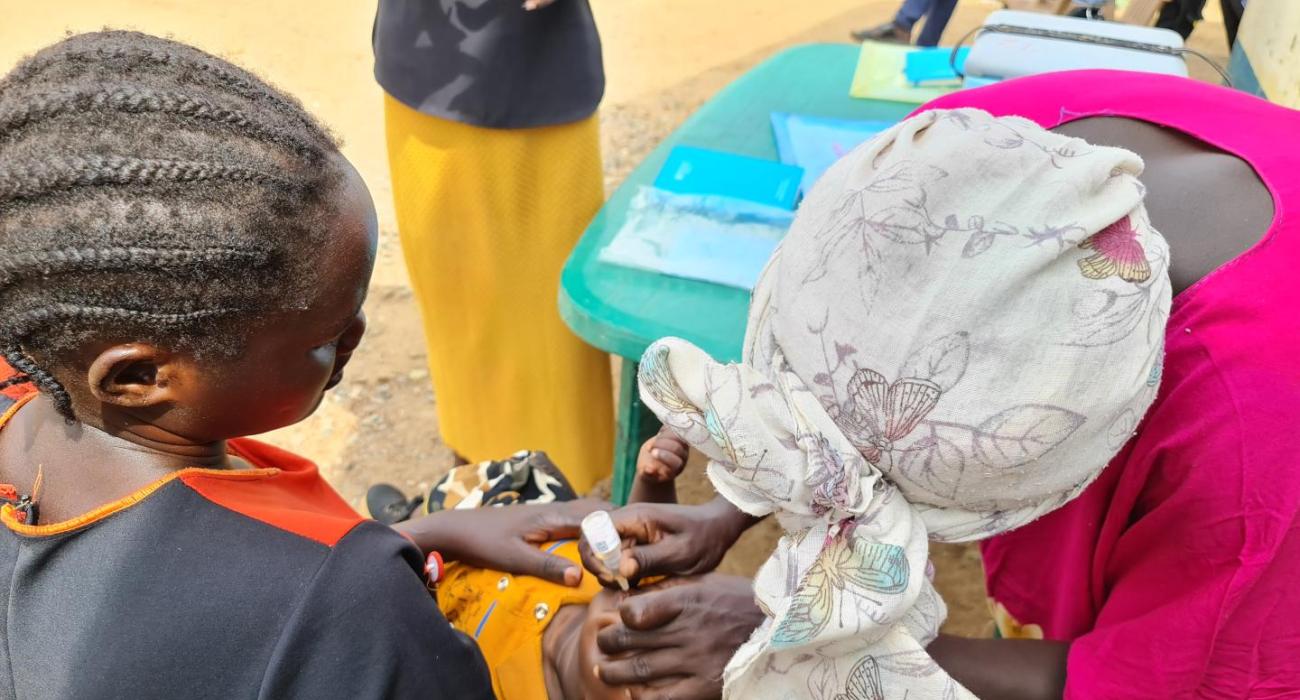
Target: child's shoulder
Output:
[{"x": 284, "y": 491}]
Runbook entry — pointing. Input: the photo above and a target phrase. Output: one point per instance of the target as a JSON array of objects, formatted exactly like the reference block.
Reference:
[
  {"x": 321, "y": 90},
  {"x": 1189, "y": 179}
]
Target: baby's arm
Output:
[{"x": 660, "y": 462}]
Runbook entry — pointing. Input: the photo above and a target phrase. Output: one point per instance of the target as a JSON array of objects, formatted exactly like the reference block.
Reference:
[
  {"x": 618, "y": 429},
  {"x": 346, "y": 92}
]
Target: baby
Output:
[{"x": 536, "y": 636}]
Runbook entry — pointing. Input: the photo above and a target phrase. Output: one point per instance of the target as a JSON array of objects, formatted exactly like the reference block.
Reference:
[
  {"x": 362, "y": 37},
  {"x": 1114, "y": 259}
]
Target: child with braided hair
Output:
[{"x": 184, "y": 254}]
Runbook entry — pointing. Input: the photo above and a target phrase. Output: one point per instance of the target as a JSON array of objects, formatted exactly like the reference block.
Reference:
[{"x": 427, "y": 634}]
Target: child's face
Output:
[
  {"x": 289, "y": 360},
  {"x": 292, "y": 358}
]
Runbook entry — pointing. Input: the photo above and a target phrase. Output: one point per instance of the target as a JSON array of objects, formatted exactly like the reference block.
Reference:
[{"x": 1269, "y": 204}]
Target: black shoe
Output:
[
  {"x": 888, "y": 32},
  {"x": 388, "y": 505}
]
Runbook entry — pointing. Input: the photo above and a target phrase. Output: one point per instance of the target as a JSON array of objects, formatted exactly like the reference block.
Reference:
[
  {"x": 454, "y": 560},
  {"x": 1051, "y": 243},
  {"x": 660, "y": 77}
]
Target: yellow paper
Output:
[{"x": 880, "y": 76}]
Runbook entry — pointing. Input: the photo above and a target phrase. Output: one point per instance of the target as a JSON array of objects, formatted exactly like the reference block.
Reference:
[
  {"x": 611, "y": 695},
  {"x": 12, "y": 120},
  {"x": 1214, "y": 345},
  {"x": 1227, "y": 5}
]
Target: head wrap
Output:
[{"x": 962, "y": 327}]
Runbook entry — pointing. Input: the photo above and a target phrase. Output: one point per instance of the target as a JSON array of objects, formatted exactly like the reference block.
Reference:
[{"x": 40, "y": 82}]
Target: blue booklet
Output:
[
  {"x": 712, "y": 238},
  {"x": 699, "y": 171},
  {"x": 933, "y": 66},
  {"x": 815, "y": 143}
]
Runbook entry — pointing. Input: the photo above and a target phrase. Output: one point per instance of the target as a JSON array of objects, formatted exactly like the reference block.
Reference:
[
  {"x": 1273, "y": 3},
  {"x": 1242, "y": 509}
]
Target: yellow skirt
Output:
[{"x": 487, "y": 218}]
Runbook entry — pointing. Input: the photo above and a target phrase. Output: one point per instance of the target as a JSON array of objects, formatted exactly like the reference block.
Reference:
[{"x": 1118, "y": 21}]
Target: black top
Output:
[
  {"x": 490, "y": 63},
  {"x": 183, "y": 596}
]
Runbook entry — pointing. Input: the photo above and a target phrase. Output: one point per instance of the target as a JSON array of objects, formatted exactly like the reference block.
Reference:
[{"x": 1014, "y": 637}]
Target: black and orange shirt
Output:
[{"x": 258, "y": 583}]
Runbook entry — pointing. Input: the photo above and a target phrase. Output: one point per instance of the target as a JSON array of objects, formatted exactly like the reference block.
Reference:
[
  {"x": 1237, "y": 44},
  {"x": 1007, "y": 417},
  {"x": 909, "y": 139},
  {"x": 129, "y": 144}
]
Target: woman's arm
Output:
[{"x": 1010, "y": 669}]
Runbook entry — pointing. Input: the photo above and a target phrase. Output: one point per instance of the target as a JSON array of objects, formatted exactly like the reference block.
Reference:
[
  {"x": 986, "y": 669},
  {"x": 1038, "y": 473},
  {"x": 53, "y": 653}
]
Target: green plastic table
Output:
[{"x": 622, "y": 310}]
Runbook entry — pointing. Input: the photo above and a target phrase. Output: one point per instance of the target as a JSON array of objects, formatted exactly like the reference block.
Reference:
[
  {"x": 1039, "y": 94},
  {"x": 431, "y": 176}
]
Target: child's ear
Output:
[{"x": 134, "y": 375}]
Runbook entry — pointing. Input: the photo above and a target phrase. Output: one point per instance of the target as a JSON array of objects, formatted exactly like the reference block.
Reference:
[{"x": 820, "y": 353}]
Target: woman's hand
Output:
[
  {"x": 505, "y": 538},
  {"x": 673, "y": 640},
  {"x": 665, "y": 540}
]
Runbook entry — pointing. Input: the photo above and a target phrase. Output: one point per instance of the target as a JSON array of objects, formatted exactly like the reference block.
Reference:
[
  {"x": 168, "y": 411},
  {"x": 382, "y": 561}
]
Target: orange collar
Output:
[{"x": 8, "y": 514}]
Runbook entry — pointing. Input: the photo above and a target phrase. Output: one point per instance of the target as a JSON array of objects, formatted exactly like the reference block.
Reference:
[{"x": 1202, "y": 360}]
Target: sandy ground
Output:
[{"x": 663, "y": 59}]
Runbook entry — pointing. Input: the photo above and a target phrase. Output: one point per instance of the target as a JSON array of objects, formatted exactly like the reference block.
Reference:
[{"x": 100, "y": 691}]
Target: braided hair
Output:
[{"x": 149, "y": 192}]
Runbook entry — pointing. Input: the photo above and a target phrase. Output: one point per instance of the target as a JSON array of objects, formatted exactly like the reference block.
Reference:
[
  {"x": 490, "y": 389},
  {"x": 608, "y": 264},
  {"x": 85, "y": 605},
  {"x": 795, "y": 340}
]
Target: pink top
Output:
[{"x": 1177, "y": 574}]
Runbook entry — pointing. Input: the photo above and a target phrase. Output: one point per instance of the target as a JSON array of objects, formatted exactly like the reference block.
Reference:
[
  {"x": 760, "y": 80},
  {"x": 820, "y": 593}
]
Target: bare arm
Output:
[{"x": 1009, "y": 669}]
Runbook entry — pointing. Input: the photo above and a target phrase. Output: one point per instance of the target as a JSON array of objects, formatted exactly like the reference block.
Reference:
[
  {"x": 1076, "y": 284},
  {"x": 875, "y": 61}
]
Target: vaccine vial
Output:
[{"x": 598, "y": 529}]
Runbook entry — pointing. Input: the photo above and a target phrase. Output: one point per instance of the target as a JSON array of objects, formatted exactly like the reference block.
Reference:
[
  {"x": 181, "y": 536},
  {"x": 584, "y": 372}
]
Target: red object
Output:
[
  {"x": 434, "y": 567},
  {"x": 16, "y": 391},
  {"x": 8, "y": 492}
]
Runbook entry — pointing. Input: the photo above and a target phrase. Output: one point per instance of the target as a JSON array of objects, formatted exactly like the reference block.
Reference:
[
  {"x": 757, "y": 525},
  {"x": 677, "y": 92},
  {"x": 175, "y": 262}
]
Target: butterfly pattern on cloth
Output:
[
  {"x": 847, "y": 566},
  {"x": 881, "y": 413},
  {"x": 863, "y": 682},
  {"x": 1118, "y": 254}
]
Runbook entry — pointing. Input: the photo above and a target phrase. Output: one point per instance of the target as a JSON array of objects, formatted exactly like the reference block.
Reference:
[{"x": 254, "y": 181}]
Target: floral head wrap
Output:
[{"x": 962, "y": 327}]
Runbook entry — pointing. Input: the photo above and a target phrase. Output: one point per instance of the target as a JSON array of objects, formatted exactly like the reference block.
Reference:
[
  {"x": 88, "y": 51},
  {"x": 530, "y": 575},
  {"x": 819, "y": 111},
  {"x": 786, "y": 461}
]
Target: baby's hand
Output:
[{"x": 662, "y": 458}]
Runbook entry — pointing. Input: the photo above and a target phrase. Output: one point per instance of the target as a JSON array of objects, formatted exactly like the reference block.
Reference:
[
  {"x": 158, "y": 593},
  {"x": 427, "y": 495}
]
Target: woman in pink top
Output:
[{"x": 1177, "y": 573}]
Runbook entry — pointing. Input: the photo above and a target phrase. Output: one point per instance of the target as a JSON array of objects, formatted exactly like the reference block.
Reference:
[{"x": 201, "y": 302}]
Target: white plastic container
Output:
[
  {"x": 1000, "y": 55},
  {"x": 599, "y": 532}
]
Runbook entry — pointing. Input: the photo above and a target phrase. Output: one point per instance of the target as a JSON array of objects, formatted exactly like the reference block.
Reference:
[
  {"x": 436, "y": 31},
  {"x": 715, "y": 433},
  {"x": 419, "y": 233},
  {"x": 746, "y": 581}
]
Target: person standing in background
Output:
[
  {"x": 494, "y": 150},
  {"x": 1182, "y": 16},
  {"x": 899, "y": 30}
]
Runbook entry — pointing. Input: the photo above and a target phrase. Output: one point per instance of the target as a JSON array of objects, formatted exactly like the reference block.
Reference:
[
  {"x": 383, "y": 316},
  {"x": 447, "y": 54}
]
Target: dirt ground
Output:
[{"x": 663, "y": 59}]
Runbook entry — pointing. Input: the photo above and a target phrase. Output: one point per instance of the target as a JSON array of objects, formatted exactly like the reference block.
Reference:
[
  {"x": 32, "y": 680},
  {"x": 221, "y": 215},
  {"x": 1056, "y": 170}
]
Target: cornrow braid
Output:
[
  {"x": 138, "y": 100},
  {"x": 175, "y": 59},
  {"x": 32, "y": 373},
  {"x": 15, "y": 381},
  {"x": 65, "y": 172},
  {"x": 35, "y": 319},
  {"x": 27, "y": 323},
  {"x": 43, "y": 263},
  {"x": 150, "y": 192}
]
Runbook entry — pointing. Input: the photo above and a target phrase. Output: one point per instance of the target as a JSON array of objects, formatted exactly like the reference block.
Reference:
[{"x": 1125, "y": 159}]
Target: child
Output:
[
  {"x": 962, "y": 327},
  {"x": 183, "y": 258},
  {"x": 536, "y": 636}
]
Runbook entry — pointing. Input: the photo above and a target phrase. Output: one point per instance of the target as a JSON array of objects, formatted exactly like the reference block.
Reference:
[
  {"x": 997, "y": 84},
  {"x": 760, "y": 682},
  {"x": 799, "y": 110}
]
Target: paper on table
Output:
[
  {"x": 703, "y": 171},
  {"x": 933, "y": 66},
  {"x": 704, "y": 237},
  {"x": 880, "y": 76},
  {"x": 815, "y": 143}
]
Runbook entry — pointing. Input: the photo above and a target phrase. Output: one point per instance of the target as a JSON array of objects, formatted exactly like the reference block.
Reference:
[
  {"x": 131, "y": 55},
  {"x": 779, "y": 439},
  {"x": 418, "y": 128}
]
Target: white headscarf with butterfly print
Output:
[{"x": 962, "y": 327}]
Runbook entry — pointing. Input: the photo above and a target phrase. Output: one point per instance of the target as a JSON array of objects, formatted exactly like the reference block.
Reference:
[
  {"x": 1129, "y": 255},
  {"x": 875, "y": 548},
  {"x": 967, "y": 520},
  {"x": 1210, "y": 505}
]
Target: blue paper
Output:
[
  {"x": 703, "y": 237},
  {"x": 974, "y": 81},
  {"x": 933, "y": 66},
  {"x": 699, "y": 171},
  {"x": 815, "y": 143}
]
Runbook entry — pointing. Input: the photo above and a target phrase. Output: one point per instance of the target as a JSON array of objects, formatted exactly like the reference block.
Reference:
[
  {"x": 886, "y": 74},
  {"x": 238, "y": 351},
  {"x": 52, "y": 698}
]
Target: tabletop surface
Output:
[{"x": 622, "y": 310}]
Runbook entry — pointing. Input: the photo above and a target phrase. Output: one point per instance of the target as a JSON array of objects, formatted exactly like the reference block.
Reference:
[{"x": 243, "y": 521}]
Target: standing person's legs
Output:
[
  {"x": 936, "y": 21},
  {"x": 898, "y": 30},
  {"x": 911, "y": 12},
  {"x": 487, "y": 218},
  {"x": 1232, "y": 10},
  {"x": 1180, "y": 16}
]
